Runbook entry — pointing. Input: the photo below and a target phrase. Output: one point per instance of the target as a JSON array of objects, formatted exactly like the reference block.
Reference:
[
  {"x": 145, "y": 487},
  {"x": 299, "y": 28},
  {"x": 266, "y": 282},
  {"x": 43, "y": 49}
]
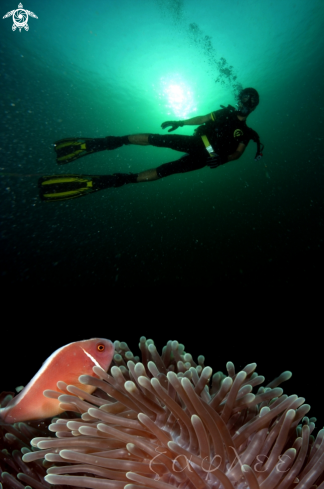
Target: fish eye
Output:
[{"x": 100, "y": 347}]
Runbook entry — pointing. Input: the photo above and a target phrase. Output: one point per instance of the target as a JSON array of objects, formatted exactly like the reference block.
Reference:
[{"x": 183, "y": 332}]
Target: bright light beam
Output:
[{"x": 177, "y": 96}]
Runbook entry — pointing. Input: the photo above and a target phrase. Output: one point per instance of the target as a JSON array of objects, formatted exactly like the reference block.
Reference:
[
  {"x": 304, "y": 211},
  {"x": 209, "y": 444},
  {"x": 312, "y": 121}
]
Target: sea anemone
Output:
[
  {"x": 14, "y": 443},
  {"x": 164, "y": 423}
]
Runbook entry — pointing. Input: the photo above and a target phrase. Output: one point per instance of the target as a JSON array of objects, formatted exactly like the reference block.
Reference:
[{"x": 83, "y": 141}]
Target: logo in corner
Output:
[
  {"x": 20, "y": 18},
  {"x": 238, "y": 133}
]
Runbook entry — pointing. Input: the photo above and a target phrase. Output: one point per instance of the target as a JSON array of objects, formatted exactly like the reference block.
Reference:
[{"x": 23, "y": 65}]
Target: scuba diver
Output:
[{"x": 222, "y": 136}]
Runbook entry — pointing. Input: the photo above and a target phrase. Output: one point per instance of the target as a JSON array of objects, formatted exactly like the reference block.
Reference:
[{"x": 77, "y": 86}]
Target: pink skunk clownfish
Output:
[{"x": 66, "y": 364}]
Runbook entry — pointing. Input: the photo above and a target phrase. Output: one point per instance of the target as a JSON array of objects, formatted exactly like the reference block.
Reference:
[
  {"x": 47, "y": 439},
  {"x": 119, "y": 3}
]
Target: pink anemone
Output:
[{"x": 165, "y": 422}]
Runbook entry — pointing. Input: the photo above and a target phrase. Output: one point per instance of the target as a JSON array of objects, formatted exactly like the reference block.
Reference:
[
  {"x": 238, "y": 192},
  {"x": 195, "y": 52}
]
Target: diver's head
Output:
[{"x": 248, "y": 99}]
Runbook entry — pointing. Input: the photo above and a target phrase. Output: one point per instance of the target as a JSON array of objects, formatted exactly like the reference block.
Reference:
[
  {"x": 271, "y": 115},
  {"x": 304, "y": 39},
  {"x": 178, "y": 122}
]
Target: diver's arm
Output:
[
  {"x": 196, "y": 121},
  {"x": 238, "y": 153}
]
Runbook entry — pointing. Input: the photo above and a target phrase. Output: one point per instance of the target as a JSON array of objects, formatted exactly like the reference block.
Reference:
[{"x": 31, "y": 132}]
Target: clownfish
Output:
[{"x": 66, "y": 364}]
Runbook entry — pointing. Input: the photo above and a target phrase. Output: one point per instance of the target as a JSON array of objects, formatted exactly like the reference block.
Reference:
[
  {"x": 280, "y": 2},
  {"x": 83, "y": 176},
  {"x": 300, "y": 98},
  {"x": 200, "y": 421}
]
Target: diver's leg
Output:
[
  {"x": 177, "y": 142},
  {"x": 114, "y": 142},
  {"x": 141, "y": 139},
  {"x": 184, "y": 144},
  {"x": 119, "y": 179},
  {"x": 147, "y": 176},
  {"x": 182, "y": 165}
]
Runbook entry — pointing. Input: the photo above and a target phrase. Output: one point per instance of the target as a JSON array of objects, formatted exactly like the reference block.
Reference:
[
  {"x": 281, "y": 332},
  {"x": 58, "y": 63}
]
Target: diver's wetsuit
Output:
[
  {"x": 225, "y": 132},
  {"x": 195, "y": 158}
]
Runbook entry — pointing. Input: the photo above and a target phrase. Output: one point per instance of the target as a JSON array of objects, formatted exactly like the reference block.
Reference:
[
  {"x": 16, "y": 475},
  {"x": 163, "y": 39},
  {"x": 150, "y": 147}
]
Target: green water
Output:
[{"x": 115, "y": 68}]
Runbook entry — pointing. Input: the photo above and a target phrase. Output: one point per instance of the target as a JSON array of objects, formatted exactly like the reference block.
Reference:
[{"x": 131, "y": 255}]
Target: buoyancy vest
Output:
[{"x": 225, "y": 131}]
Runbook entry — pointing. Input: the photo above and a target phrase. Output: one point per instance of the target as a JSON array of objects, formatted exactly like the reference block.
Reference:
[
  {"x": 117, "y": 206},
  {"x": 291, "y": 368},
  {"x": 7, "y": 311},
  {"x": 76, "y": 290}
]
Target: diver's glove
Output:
[
  {"x": 174, "y": 124},
  {"x": 214, "y": 161}
]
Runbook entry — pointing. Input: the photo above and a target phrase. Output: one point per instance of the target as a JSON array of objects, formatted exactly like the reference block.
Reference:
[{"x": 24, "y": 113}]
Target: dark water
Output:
[{"x": 116, "y": 68}]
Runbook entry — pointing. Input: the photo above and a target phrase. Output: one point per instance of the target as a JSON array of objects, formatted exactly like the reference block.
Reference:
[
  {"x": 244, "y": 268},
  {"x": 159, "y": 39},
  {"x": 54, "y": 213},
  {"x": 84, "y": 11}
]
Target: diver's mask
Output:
[{"x": 247, "y": 101}]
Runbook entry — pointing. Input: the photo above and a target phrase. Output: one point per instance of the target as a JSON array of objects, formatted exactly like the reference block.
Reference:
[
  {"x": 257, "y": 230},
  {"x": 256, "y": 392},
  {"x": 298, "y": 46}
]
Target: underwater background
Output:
[{"x": 113, "y": 67}]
